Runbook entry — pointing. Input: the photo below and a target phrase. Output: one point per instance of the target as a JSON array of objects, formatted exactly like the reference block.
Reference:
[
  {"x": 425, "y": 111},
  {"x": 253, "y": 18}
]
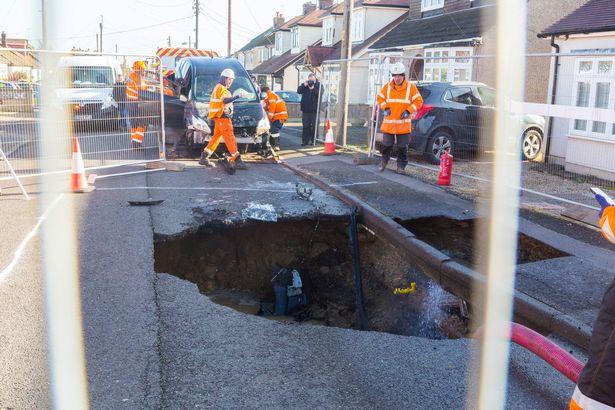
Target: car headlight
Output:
[
  {"x": 200, "y": 125},
  {"x": 108, "y": 102},
  {"x": 263, "y": 125}
]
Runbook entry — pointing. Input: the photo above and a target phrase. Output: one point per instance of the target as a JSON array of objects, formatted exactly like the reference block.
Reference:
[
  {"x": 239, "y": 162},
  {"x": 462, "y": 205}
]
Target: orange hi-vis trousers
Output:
[
  {"x": 137, "y": 134},
  {"x": 223, "y": 128}
]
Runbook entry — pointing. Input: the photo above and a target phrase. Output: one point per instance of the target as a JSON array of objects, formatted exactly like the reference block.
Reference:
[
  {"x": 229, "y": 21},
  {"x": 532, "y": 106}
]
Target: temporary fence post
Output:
[{"x": 163, "y": 147}]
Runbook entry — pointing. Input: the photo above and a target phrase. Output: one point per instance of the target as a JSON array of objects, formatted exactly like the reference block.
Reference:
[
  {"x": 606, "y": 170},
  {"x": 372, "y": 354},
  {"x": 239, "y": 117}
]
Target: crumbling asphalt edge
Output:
[{"x": 452, "y": 276}]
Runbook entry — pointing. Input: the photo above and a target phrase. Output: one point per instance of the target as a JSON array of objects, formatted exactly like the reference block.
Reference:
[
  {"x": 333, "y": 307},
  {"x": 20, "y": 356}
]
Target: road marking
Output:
[
  {"x": 128, "y": 173},
  {"x": 22, "y": 246},
  {"x": 355, "y": 183},
  {"x": 169, "y": 188}
]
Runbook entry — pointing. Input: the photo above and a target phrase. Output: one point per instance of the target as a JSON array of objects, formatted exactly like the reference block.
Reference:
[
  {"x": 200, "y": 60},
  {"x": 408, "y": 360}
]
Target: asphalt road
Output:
[{"x": 154, "y": 341}]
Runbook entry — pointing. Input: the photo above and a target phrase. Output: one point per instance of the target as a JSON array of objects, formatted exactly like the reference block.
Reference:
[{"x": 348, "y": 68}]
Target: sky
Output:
[{"x": 141, "y": 26}]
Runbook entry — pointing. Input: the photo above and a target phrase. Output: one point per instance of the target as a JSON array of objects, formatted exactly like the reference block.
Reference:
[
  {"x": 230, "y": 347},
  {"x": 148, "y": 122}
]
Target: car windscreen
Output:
[
  {"x": 205, "y": 83},
  {"x": 91, "y": 76}
]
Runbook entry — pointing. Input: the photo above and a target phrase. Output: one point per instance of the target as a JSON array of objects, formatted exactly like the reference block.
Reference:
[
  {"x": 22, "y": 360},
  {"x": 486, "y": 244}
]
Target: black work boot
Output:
[
  {"x": 383, "y": 164},
  {"x": 206, "y": 161},
  {"x": 239, "y": 164}
]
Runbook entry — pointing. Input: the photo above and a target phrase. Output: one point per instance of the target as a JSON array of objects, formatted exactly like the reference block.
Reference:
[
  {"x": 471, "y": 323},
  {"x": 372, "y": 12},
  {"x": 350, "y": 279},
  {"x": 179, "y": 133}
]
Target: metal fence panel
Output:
[
  {"x": 568, "y": 117},
  {"x": 94, "y": 108}
]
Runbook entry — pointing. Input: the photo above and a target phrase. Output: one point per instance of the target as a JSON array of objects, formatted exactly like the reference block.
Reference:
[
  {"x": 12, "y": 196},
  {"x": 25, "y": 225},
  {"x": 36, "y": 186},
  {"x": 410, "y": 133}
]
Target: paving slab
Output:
[{"x": 570, "y": 285}]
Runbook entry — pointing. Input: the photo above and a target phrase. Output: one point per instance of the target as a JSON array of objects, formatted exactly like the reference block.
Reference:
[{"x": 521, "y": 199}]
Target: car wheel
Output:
[
  {"x": 440, "y": 142},
  {"x": 531, "y": 145}
]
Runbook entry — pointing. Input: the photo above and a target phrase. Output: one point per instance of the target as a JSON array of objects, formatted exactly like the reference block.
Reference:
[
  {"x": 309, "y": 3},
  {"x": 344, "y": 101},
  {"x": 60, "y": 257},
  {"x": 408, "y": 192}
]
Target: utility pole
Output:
[
  {"x": 197, "y": 11},
  {"x": 97, "y": 43},
  {"x": 228, "y": 31},
  {"x": 169, "y": 41},
  {"x": 101, "y": 28},
  {"x": 346, "y": 54}
]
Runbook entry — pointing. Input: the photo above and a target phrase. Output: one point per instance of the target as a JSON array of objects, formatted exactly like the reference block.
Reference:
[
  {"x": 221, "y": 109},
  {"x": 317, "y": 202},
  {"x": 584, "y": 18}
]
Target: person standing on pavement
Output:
[
  {"x": 221, "y": 112},
  {"x": 119, "y": 95},
  {"x": 275, "y": 107},
  {"x": 310, "y": 92},
  {"x": 398, "y": 100},
  {"x": 136, "y": 93},
  {"x": 595, "y": 388}
]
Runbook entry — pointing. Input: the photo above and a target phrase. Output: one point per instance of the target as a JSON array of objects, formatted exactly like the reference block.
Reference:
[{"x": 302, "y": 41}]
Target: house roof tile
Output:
[
  {"x": 464, "y": 24},
  {"x": 263, "y": 39},
  {"x": 594, "y": 16},
  {"x": 276, "y": 64}
]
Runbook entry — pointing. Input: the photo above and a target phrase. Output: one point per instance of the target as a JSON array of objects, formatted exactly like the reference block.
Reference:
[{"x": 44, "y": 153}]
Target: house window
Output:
[
  {"x": 279, "y": 46},
  {"x": 427, "y": 5},
  {"x": 594, "y": 83},
  {"x": 295, "y": 39},
  {"x": 448, "y": 64},
  {"x": 327, "y": 31},
  {"x": 264, "y": 53},
  {"x": 358, "y": 25}
]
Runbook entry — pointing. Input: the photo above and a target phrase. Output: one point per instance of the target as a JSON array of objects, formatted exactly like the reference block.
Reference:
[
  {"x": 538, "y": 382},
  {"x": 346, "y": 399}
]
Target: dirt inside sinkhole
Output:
[
  {"x": 458, "y": 240},
  {"x": 234, "y": 264}
]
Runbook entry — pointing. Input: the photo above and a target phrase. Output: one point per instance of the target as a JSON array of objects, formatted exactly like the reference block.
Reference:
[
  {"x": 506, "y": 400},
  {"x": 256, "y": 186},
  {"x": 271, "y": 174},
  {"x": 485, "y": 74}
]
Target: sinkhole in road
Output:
[
  {"x": 458, "y": 240},
  {"x": 234, "y": 265}
]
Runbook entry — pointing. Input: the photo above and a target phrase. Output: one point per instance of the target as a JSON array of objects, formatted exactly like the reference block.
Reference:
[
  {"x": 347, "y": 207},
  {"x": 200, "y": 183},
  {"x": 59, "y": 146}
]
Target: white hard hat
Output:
[
  {"x": 398, "y": 68},
  {"x": 228, "y": 73}
]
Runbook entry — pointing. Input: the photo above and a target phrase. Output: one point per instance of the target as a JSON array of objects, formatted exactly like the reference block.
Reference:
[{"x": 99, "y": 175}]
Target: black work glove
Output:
[
  {"x": 405, "y": 114},
  {"x": 387, "y": 112}
]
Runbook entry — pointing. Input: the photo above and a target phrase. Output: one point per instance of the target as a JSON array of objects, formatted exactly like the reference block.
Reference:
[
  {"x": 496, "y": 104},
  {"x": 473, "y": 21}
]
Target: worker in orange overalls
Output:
[
  {"x": 136, "y": 86},
  {"x": 275, "y": 107},
  {"x": 596, "y": 386},
  {"x": 398, "y": 100},
  {"x": 221, "y": 111}
]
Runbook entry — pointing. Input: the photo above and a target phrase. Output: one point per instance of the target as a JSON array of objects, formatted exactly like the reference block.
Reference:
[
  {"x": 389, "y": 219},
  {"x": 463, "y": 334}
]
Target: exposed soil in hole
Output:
[
  {"x": 456, "y": 238},
  {"x": 234, "y": 266}
]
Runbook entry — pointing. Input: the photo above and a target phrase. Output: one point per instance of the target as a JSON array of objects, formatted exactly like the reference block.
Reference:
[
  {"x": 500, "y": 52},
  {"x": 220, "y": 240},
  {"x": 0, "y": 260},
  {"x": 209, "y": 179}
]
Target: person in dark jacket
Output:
[
  {"x": 596, "y": 386},
  {"x": 310, "y": 92},
  {"x": 119, "y": 95}
]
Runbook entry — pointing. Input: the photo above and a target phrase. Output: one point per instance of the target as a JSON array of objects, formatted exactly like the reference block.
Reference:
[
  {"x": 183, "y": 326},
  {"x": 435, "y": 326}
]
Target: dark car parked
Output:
[
  {"x": 458, "y": 117},
  {"x": 192, "y": 83}
]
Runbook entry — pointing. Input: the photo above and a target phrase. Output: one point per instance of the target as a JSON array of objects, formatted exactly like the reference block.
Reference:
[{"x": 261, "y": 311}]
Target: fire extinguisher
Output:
[{"x": 446, "y": 169}]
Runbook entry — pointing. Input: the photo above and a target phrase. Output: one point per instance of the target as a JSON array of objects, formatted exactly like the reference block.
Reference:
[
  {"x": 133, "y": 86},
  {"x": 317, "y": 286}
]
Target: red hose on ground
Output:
[{"x": 548, "y": 351}]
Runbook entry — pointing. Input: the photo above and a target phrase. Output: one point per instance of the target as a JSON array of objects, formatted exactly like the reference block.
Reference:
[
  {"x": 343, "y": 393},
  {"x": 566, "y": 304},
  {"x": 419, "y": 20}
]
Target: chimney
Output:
[
  {"x": 3, "y": 40},
  {"x": 325, "y": 4},
  {"x": 278, "y": 20},
  {"x": 308, "y": 8}
]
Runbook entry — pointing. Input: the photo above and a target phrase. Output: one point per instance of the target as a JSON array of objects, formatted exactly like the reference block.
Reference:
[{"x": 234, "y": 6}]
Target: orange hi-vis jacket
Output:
[
  {"x": 398, "y": 98},
  {"x": 134, "y": 84},
  {"x": 216, "y": 102},
  {"x": 275, "y": 107}
]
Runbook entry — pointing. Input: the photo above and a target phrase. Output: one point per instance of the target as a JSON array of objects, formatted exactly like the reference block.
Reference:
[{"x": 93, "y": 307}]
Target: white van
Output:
[{"x": 88, "y": 85}]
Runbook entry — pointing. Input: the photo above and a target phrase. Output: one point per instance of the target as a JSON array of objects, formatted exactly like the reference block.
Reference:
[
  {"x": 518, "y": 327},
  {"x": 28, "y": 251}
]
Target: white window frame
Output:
[
  {"x": 264, "y": 54},
  {"x": 358, "y": 25},
  {"x": 448, "y": 64},
  {"x": 327, "y": 31},
  {"x": 279, "y": 43},
  {"x": 428, "y": 5},
  {"x": 593, "y": 78},
  {"x": 295, "y": 40}
]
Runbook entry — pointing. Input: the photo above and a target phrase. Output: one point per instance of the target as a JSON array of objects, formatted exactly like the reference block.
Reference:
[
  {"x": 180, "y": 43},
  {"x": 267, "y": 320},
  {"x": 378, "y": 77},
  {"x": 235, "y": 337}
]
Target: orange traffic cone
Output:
[
  {"x": 329, "y": 142},
  {"x": 78, "y": 181}
]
